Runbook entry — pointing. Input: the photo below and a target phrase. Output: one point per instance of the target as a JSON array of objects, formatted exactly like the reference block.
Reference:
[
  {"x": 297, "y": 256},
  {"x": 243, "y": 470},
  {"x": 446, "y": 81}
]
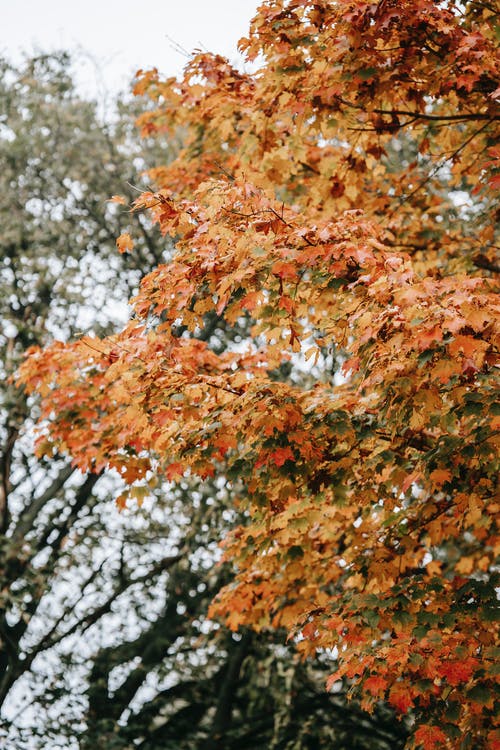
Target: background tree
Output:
[
  {"x": 104, "y": 639},
  {"x": 59, "y": 262}
]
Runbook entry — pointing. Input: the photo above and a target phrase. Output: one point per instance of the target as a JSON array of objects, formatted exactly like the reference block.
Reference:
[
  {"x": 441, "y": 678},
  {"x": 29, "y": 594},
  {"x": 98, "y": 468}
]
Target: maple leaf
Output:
[
  {"x": 440, "y": 476},
  {"x": 375, "y": 685},
  {"x": 121, "y": 501},
  {"x": 429, "y": 737},
  {"x": 456, "y": 672},
  {"x": 174, "y": 471},
  {"x": 429, "y": 337},
  {"x": 285, "y": 270},
  {"x": 251, "y": 300},
  {"x": 286, "y": 303},
  {"x": 124, "y": 243},
  {"x": 280, "y": 455},
  {"x": 400, "y": 698}
]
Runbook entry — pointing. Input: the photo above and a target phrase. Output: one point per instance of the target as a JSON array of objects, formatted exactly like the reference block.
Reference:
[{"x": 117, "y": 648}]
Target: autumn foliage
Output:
[{"x": 339, "y": 202}]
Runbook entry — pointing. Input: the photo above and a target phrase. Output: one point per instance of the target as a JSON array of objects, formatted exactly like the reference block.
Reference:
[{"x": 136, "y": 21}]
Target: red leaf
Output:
[
  {"x": 429, "y": 737},
  {"x": 456, "y": 672},
  {"x": 375, "y": 685},
  {"x": 281, "y": 455},
  {"x": 174, "y": 471},
  {"x": 400, "y": 698}
]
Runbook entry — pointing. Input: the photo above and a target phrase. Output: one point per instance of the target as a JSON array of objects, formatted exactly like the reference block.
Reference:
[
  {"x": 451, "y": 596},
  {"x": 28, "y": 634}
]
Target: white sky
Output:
[{"x": 120, "y": 36}]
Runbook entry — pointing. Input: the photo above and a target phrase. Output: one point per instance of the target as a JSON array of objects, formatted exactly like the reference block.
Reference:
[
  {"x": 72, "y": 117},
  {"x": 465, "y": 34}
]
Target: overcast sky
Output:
[{"x": 123, "y": 35}]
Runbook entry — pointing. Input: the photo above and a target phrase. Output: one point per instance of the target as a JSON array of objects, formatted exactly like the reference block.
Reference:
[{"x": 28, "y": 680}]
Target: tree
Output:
[
  {"x": 368, "y": 496},
  {"x": 59, "y": 266},
  {"x": 104, "y": 639}
]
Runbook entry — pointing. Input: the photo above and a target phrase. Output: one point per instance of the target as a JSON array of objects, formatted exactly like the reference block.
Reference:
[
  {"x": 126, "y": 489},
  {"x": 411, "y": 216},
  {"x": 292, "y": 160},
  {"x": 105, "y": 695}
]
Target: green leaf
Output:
[
  {"x": 295, "y": 552},
  {"x": 366, "y": 73},
  {"x": 480, "y": 694}
]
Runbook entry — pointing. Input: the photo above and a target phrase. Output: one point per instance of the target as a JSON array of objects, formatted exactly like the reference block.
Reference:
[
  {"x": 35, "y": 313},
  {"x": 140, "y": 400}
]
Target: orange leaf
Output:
[
  {"x": 124, "y": 243},
  {"x": 285, "y": 270},
  {"x": 174, "y": 471},
  {"x": 440, "y": 476},
  {"x": 117, "y": 199},
  {"x": 121, "y": 501},
  {"x": 466, "y": 344},
  {"x": 375, "y": 685},
  {"x": 429, "y": 337},
  {"x": 286, "y": 303}
]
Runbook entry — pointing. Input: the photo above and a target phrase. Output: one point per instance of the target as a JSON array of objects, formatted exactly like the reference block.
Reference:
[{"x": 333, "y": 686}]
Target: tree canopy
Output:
[
  {"x": 104, "y": 635},
  {"x": 337, "y": 205}
]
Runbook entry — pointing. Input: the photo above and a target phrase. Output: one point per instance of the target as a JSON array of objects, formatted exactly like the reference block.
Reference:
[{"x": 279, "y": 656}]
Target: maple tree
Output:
[
  {"x": 340, "y": 202},
  {"x": 104, "y": 635}
]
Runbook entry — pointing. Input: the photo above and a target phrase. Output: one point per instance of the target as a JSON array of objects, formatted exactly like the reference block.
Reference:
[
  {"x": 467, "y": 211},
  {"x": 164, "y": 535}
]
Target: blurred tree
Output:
[
  {"x": 58, "y": 269},
  {"x": 104, "y": 642}
]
